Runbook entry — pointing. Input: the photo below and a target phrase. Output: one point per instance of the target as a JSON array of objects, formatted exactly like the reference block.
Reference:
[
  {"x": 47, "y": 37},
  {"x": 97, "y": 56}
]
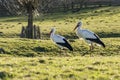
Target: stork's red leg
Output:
[{"x": 91, "y": 46}]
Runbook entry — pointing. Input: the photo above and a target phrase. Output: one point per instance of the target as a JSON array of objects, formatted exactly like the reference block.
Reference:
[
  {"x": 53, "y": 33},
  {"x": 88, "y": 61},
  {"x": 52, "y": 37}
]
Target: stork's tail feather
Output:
[
  {"x": 99, "y": 41},
  {"x": 68, "y": 45},
  {"x": 102, "y": 44}
]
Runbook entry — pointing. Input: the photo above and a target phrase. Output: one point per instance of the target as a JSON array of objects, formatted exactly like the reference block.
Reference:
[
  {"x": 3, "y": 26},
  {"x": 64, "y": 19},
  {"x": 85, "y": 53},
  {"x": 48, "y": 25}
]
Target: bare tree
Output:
[
  {"x": 46, "y": 5},
  {"x": 17, "y": 7},
  {"x": 22, "y": 6}
]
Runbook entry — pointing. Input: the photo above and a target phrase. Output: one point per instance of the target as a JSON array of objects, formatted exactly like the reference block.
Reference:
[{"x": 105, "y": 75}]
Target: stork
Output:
[
  {"x": 89, "y": 36},
  {"x": 60, "y": 40}
]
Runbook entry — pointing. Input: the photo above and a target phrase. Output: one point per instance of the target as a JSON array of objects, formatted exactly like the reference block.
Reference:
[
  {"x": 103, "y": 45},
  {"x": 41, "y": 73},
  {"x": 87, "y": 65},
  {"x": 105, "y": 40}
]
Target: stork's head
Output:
[
  {"x": 52, "y": 31},
  {"x": 78, "y": 25}
]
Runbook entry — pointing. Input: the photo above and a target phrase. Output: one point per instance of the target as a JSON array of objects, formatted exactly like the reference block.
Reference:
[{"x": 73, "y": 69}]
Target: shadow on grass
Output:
[
  {"x": 14, "y": 19},
  {"x": 100, "y": 34},
  {"x": 5, "y": 76},
  {"x": 74, "y": 36},
  {"x": 108, "y": 35},
  {"x": 67, "y": 35},
  {"x": 40, "y": 49},
  {"x": 84, "y": 13}
]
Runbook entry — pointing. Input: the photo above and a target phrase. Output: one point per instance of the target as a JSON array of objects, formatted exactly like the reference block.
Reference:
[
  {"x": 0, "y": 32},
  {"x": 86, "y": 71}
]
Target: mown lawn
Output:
[
  {"x": 103, "y": 21},
  {"x": 27, "y": 59},
  {"x": 34, "y": 48},
  {"x": 60, "y": 68}
]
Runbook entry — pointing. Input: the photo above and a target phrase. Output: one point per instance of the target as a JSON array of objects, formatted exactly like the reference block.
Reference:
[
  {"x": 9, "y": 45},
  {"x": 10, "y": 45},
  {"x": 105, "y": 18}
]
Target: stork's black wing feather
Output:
[
  {"x": 97, "y": 40},
  {"x": 66, "y": 44}
]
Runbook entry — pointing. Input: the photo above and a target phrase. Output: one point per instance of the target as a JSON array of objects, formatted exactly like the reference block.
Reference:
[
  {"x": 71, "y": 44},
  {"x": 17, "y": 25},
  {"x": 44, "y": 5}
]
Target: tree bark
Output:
[
  {"x": 23, "y": 34},
  {"x": 38, "y": 33},
  {"x": 30, "y": 20},
  {"x": 35, "y": 32}
]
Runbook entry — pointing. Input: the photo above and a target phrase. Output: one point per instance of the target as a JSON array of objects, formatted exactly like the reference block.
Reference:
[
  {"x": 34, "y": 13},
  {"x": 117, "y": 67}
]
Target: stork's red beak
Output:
[{"x": 75, "y": 27}]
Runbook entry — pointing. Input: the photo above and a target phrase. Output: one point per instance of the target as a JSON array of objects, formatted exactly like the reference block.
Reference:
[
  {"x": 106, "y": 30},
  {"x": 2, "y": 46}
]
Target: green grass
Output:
[
  {"x": 27, "y": 59},
  {"x": 60, "y": 68},
  {"x": 33, "y": 48},
  {"x": 103, "y": 21}
]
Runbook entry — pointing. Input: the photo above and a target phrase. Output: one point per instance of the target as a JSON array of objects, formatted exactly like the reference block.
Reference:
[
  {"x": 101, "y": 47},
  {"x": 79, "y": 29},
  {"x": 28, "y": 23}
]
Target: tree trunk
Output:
[
  {"x": 30, "y": 21},
  {"x": 35, "y": 32},
  {"x": 23, "y": 34},
  {"x": 72, "y": 6},
  {"x": 38, "y": 33}
]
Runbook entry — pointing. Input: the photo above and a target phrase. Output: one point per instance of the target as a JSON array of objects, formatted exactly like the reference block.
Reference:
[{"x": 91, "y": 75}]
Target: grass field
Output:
[
  {"x": 60, "y": 68},
  {"x": 27, "y": 59}
]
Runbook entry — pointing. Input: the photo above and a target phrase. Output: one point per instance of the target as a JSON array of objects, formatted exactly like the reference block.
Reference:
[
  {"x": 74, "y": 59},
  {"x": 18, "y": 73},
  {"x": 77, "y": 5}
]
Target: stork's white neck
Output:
[
  {"x": 52, "y": 34},
  {"x": 79, "y": 27}
]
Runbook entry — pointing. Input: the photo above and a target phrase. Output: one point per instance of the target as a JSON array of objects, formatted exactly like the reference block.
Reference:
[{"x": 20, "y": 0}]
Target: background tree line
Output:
[
  {"x": 31, "y": 7},
  {"x": 49, "y": 6}
]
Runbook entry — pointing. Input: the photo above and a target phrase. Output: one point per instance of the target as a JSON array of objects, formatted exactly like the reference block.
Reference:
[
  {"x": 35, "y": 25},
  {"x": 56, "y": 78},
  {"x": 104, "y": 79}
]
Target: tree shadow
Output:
[
  {"x": 108, "y": 35},
  {"x": 74, "y": 36},
  {"x": 100, "y": 34},
  {"x": 83, "y": 13},
  {"x": 40, "y": 49},
  {"x": 4, "y": 75}
]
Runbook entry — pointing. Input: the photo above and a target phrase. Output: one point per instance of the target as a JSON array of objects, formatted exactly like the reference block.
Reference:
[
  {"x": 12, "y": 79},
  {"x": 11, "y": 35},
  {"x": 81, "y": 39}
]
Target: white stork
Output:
[
  {"x": 60, "y": 40},
  {"x": 89, "y": 36}
]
